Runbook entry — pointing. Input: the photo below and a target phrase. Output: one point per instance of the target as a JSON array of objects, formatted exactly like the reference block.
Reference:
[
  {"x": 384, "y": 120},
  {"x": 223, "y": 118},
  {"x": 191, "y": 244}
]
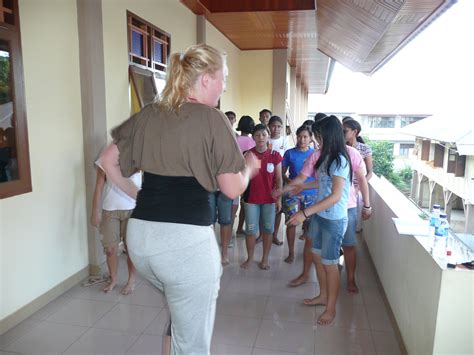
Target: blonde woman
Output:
[{"x": 187, "y": 150}]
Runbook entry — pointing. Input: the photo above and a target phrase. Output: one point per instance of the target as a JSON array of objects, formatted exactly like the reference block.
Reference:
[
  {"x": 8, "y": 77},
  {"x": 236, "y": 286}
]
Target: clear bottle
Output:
[
  {"x": 434, "y": 222},
  {"x": 441, "y": 238}
]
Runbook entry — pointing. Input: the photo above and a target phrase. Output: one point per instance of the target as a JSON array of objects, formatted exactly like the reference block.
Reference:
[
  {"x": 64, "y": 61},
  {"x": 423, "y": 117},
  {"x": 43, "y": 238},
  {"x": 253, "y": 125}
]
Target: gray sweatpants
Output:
[{"x": 183, "y": 261}]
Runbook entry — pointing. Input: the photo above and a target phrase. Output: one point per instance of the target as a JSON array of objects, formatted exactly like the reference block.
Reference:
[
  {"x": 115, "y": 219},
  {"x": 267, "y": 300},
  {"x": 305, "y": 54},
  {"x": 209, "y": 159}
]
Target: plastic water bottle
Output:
[
  {"x": 441, "y": 238},
  {"x": 434, "y": 222}
]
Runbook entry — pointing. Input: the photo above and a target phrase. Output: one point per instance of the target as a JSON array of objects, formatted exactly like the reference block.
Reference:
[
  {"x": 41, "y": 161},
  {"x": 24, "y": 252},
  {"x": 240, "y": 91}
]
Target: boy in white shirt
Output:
[
  {"x": 110, "y": 214},
  {"x": 278, "y": 143}
]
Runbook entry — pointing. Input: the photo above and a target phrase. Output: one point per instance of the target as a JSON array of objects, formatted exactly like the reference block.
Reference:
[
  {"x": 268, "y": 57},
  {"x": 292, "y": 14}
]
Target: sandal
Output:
[
  {"x": 93, "y": 280},
  {"x": 277, "y": 242}
]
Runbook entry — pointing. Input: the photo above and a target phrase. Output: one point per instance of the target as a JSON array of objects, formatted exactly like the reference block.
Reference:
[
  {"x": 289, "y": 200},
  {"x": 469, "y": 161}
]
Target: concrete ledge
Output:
[{"x": 38, "y": 303}]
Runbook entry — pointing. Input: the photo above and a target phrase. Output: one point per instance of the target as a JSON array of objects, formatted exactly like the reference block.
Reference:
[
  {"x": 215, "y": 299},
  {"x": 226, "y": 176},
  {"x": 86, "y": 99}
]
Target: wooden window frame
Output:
[
  {"x": 451, "y": 161},
  {"x": 151, "y": 34},
  {"x": 425, "y": 150},
  {"x": 11, "y": 33},
  {"x": 438, "y": 156}
]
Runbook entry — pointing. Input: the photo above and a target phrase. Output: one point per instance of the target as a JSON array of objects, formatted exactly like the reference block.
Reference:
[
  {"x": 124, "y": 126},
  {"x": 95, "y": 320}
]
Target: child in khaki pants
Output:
[{"x": 111, "y": 209}]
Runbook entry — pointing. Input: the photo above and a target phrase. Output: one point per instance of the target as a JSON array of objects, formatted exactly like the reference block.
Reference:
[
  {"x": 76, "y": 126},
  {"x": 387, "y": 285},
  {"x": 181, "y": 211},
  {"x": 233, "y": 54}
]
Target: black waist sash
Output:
[{"x": 173, "y": 199}]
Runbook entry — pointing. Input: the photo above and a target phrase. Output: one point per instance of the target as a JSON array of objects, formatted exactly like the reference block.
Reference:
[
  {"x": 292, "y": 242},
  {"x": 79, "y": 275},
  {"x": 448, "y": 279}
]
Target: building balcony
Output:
[{"x": 460, "y": 186}]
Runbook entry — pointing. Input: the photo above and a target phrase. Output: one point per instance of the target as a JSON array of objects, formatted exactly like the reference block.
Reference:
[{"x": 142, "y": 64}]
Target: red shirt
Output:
[{"x": 261, "y": 186}]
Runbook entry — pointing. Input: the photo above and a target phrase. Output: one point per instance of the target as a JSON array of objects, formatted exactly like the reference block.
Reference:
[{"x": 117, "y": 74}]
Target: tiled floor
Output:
[{"x": 257, "y": 314}]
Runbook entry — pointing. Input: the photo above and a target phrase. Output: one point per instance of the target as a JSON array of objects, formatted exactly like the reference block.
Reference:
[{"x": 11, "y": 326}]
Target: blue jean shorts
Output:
[
  {"x": 327, "y": 235},
  {"x": 221, "y": 208},
  {"x": 255, "y": 213},
  {"x": 350, "y": 235}
]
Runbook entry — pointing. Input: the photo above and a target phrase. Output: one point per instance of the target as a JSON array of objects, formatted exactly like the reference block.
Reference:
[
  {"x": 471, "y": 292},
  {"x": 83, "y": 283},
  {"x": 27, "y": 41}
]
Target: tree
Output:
[{"x": 382, "y": 157}]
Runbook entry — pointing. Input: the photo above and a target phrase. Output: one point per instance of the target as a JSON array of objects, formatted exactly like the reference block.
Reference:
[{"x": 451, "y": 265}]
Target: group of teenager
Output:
[{"x": 177, "y": 166}]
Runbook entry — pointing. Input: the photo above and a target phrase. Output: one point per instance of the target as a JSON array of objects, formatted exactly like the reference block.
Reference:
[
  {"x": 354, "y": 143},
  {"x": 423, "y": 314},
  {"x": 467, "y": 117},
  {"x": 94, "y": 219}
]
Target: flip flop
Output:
[
  {"x": 277, "y": 242},
  {"x": 93, "y": 280},
  {"x": 296, "y": 284}
]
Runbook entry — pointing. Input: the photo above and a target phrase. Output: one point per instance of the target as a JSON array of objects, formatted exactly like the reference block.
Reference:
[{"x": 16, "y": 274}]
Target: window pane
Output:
[
  {"x": 8, "y": 154},
  {"x": 143, "y": 81},
  {"x": 158, "y": 52},
  {"x": 137, "y": 43}
]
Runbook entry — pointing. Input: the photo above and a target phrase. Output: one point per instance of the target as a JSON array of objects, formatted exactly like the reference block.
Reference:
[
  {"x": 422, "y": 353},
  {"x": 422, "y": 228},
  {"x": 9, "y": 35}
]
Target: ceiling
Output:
[{"x": 360, "y": 34}]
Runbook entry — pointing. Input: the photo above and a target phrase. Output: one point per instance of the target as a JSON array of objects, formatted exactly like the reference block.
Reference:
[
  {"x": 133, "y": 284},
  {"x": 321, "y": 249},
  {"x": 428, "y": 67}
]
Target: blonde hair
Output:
[{"x": 184, "y": 70}]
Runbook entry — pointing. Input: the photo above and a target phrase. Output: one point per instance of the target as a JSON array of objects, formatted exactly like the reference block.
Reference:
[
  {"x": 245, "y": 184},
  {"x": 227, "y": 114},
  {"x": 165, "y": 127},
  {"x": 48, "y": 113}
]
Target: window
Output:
[
  {"x": 456, "y": 163},
  {"x": 381, "y": 122},
  {"x": 405, "y": 149},
  {"x": 148, "y": 49},
  {"x": 425, "y": 150},
  {"x": 15, "y": 175},
  {"x": 438, "y": 156},
  {"x": 409, "y": 120}
]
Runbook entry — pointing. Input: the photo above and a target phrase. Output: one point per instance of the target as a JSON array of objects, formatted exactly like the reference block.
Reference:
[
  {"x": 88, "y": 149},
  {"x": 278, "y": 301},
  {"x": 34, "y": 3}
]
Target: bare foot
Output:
[
  {"x": 110, "y": 286},
  {"x": 263, "y": 266},
  {"x": 352, "y": 287},
  {"x": 128, "y": 289},
  {"x": 246, "y": 264},
  {"x": 277, "y": 242},
  {"x": 300, "y": 280},
  {"x": 327, "y": 317},
  {"x": 289, "y": 259},
  {"x": 225, "y": 261},
  {"x": 316, "y": 301}
]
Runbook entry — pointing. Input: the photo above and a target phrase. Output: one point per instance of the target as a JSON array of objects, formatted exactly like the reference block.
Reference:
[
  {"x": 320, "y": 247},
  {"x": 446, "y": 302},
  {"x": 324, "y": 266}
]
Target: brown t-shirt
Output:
[{"x": 196, "y": 141}]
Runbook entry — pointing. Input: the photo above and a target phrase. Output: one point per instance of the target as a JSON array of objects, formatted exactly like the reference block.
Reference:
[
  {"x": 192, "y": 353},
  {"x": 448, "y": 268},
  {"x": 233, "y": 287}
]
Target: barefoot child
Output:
[
  {"x": 259, "y": 203},
  {"x": 110, "y": 214},
  {"x": 293, "y": 162},
  {"x": 329, "y": 222}
]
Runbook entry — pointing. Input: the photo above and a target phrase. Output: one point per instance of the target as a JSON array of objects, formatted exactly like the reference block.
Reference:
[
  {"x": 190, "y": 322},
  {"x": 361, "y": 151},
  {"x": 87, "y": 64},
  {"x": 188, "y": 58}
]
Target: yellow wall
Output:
[
  {"x": 169, "y": 15},
  {"x": 43, "y": 233},
  {"x": 231, "y": 99},
  {"x": 256, "y": 73}
]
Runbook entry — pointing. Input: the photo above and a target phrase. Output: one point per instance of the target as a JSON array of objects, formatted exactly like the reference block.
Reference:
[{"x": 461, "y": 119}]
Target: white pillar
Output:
[
  {"x": 91, "y": 61},
  {"x": 279, "y": 83}
]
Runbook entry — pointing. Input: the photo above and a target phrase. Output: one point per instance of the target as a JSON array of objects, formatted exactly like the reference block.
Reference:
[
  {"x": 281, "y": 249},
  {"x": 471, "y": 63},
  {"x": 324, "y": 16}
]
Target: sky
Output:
[{"x": 433, "y": 74}]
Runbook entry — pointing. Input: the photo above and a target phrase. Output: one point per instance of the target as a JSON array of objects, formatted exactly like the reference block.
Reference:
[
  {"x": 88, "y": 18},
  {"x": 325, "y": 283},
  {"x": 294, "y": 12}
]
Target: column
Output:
[
  {"x": 91, "y": 60},
  {"x": 279, "y": 83},
  {"x": 469, "y": 218},
  {"x": 200, "y": 29}
]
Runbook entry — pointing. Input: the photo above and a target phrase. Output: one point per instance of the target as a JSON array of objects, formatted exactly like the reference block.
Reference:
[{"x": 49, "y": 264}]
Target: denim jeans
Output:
[
  {"x": 254, "y": 213},
  {"x": 327, "y": 235}
]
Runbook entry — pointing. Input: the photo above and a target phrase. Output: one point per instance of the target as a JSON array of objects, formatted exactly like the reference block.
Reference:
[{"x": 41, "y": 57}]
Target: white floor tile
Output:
[
  {"x": 128, "y": 318},
  {"x": 286, "y": 336},
  {"x": 103, "y": 342},
  {"x": 47, "y": 338},
  {"x": 241, "y": 304},
  {"x": 232, "y": 330},
  {"x": 81, "y": 312},
  {"x": 334, "y": 340},
  {"x": 147, "y": 345}
]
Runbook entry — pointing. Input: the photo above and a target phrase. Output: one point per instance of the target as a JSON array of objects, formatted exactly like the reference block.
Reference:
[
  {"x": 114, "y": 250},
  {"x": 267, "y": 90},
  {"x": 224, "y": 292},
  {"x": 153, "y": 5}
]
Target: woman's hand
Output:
[
  {"x": 297, "y": 218},
  {"x": 278, "y": 205},
  {"x": 95, "y": 218},
  {"x": 366, "y": 213},
  {"x": 253, "y": 164}
]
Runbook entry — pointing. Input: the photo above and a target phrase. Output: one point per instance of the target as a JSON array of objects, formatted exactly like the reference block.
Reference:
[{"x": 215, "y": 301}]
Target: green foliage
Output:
[
  {"x": 382, "y": 157},
  {"x": 4, "y": 80}
]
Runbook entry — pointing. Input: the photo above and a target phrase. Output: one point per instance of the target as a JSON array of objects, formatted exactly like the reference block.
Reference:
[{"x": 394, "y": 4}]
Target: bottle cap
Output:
[
  {"x": 449, "y": 252},
  {"x": 436, "y": 206},
  {"x": 443, "y": 215}
]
